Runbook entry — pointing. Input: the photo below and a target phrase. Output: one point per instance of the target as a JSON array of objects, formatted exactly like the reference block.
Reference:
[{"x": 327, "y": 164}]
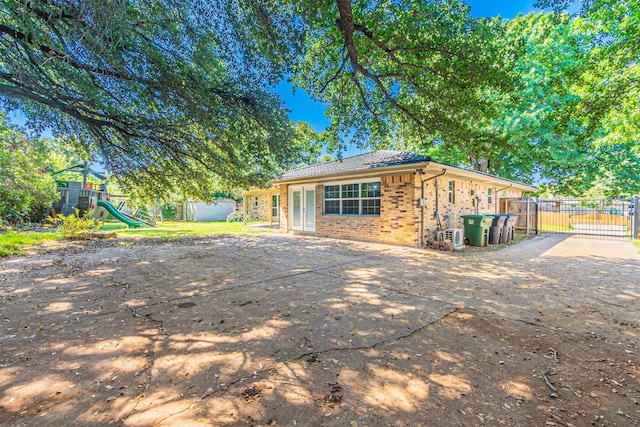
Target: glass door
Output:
[
  {"x": 303, "y": 208},
  {"x": 309, "y": 209},
  {"x": 296, "y": 209}
]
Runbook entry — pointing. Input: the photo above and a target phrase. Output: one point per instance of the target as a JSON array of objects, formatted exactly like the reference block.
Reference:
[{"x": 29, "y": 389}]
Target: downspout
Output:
[
  {"x": 423, "y": 204},
  {"x": 498, "y": 197}
]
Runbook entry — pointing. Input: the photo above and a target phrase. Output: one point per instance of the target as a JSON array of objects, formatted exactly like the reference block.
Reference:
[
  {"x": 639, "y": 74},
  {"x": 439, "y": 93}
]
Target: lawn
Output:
[
  {"x": 12, "y": 243},
  {"x": 179, "y": 228},
  {"x": 551, "y": 227}
]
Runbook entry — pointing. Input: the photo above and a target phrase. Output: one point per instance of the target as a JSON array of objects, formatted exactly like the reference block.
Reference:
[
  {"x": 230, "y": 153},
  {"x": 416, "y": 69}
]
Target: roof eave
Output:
[
  {"x": 360, "y": 173},
  {"x": 428, "y": 166}
]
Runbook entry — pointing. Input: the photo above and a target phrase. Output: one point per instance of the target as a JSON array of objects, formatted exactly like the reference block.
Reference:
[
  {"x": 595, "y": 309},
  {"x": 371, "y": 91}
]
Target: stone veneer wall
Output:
[{"x": 262, "y": 211}]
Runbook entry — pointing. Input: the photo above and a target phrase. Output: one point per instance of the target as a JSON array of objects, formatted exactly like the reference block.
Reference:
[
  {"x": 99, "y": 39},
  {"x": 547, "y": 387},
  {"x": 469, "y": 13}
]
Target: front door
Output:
[{"x": 303, "y": 208}]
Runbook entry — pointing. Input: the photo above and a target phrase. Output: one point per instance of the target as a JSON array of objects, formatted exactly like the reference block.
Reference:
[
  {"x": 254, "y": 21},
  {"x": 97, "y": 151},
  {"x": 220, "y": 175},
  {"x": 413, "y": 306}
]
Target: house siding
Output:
[
  {"x": 400, "y": 211},
  {"x": 262, "y": 210},
  {"x": 284, "y": 207},
  {"x": 451, "y": 213}
]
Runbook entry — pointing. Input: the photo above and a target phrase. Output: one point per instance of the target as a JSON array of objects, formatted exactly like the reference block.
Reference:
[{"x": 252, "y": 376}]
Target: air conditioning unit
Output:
[{"x": 456, "y": 235}]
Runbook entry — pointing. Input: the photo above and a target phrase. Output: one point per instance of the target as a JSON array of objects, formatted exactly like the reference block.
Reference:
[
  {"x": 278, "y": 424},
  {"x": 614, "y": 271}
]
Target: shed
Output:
[{"x": 216, "y": 211}]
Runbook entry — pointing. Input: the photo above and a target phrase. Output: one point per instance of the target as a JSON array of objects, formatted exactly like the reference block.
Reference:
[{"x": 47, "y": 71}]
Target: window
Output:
[
  {"x": 490, "y": 196},
  {"x": 352, "y": 199},
  {"x": 255, "y": 200},
  {"x": 370, "y": 194},
  {"x": 332, "y": 199},
  {"x": 452, "y": 192},
  {"x": 275, "y": 205}
]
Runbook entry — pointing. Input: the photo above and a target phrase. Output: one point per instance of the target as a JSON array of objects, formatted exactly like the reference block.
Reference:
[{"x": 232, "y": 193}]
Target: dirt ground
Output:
[{"x": 278, "y": 330}]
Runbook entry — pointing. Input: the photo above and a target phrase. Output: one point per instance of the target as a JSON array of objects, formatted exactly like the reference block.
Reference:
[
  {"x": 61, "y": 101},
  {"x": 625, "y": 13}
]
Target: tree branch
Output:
[{"x": 49, "y": 51}]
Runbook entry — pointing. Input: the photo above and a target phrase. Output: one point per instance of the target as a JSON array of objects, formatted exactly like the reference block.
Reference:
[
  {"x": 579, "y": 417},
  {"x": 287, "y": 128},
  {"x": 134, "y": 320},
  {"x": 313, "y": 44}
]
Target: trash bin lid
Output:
[{"x": 498, "y": 220}]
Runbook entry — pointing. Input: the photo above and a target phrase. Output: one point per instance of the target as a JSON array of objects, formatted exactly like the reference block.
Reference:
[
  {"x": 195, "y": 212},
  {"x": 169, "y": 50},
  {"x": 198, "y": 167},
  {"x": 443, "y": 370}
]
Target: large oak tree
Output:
[{"x": 169, "y": 94}]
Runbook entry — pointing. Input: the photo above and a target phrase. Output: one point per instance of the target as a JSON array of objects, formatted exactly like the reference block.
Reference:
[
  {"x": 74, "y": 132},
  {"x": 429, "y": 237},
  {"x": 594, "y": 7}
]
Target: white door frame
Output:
[{"x": 307, "y": 209}]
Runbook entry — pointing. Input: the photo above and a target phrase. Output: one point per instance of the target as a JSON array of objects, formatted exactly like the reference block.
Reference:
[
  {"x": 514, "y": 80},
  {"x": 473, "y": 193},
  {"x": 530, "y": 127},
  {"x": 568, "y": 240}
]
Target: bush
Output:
[
  {"x": 26, "y": 187},
  {"x": 169, "y": 210},
  {"x": 73, "y": 226}
]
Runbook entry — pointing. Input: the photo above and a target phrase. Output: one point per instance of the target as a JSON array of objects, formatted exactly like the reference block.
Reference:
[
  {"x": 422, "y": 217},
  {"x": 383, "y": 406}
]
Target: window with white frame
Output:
[
  {"x": 275, "y": 205},
  {"x": 452, "y": 192},
  {"x": 356, "y": 198},
  {"x": 489, "y": 196}
]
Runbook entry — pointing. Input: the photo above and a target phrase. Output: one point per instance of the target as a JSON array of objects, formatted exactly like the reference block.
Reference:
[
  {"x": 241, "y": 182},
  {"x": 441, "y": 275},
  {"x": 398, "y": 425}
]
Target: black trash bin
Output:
[{"x": 497, "y": 229}]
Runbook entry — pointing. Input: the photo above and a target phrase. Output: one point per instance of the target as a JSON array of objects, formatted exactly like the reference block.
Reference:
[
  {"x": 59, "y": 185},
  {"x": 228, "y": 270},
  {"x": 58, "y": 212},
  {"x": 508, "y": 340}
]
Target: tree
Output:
[
  {"x": 170, "y": 95},
  {"x": 26, "y": 187},
  {"x": 402, "y": 69},
  {"x": 606, "y": 101}
]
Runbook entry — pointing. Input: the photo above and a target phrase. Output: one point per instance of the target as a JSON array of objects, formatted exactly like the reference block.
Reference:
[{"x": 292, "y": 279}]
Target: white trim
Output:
[{"x": 359, "y": 198}]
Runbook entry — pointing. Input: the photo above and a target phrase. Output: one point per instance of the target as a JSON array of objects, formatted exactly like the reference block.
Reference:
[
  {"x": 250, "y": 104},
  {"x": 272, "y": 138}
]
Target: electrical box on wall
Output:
[{"x": 420, "y": 202}]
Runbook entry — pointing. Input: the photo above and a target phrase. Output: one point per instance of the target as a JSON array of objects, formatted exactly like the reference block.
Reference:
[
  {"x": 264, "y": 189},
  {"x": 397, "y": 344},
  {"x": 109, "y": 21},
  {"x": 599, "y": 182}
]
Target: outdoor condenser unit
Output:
[{"x": 456, "y": 235}]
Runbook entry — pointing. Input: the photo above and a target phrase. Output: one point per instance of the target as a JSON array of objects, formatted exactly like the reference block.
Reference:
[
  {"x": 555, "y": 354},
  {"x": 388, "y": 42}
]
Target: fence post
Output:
[
  {"x": 636, "y": 217},
  {"x": 528, "y": 216}
]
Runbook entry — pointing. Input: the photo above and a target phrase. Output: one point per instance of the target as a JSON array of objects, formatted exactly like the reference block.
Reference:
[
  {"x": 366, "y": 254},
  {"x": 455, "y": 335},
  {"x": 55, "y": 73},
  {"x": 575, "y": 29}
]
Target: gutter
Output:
[{"x": 422, "y": 205}]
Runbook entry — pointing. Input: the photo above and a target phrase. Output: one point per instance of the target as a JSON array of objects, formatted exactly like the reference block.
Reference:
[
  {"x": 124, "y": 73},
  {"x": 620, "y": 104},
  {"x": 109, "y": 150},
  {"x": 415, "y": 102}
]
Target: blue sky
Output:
[{"x": 305, "y": 109}]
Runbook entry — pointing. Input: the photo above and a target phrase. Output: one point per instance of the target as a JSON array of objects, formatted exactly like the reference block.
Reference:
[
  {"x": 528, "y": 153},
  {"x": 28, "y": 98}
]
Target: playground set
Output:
[{"x": 86, "y": 197}]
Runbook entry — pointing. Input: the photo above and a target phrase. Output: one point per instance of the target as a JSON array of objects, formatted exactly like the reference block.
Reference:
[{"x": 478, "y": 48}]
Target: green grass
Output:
[
  {"x": 14, "y": 243},
  {"x": 637, "y": 243},
  {"x": 178, "y": 228},
  {"x": 546, "y": 227}
]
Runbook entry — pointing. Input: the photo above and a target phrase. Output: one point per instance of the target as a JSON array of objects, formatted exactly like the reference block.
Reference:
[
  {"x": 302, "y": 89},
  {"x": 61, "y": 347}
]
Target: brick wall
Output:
[
  {"x": 397, "y": 223},
  {"x": 284, "y": 207},
  {"x": 345, "y": 227},
  {"x": 399, "y": 220},
  {"x": 464, "y": 202},
  {"x": 399, "y": 213}
]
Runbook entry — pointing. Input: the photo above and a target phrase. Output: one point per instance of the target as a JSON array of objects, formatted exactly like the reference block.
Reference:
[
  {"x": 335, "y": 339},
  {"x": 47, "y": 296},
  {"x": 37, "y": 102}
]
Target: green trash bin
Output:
[{"x": 476, "y": 228}]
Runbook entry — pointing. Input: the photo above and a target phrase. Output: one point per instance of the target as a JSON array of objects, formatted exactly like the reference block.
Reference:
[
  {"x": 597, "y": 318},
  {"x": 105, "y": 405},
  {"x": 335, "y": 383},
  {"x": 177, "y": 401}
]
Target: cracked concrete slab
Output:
[{"x": 287, "y": 330}]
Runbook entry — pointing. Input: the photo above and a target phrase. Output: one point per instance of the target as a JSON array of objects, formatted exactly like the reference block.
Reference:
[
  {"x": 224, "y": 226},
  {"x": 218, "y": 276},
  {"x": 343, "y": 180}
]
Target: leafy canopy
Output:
[
  {"x": 170, "y": 94},
  {"x": 402, "y": 69}
]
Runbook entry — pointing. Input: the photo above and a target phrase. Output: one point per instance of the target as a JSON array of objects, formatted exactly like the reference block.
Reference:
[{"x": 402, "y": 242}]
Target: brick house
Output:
[{"x": 386, "y": 196}]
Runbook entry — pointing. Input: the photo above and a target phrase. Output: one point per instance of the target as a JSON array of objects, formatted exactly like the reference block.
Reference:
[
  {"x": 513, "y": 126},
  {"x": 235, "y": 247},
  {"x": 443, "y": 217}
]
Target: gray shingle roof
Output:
[{"x": 377, "y": 159}]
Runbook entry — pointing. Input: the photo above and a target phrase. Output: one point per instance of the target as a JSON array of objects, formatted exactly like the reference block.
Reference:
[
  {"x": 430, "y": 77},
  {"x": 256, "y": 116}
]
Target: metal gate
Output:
[{"x": 609, "y": 218}]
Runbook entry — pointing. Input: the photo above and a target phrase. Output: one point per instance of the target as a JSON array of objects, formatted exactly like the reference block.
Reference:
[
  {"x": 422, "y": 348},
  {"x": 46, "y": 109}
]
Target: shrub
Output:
[
  {"x": 74, "y": 226},
  {"x": 169, "y": 211}
]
